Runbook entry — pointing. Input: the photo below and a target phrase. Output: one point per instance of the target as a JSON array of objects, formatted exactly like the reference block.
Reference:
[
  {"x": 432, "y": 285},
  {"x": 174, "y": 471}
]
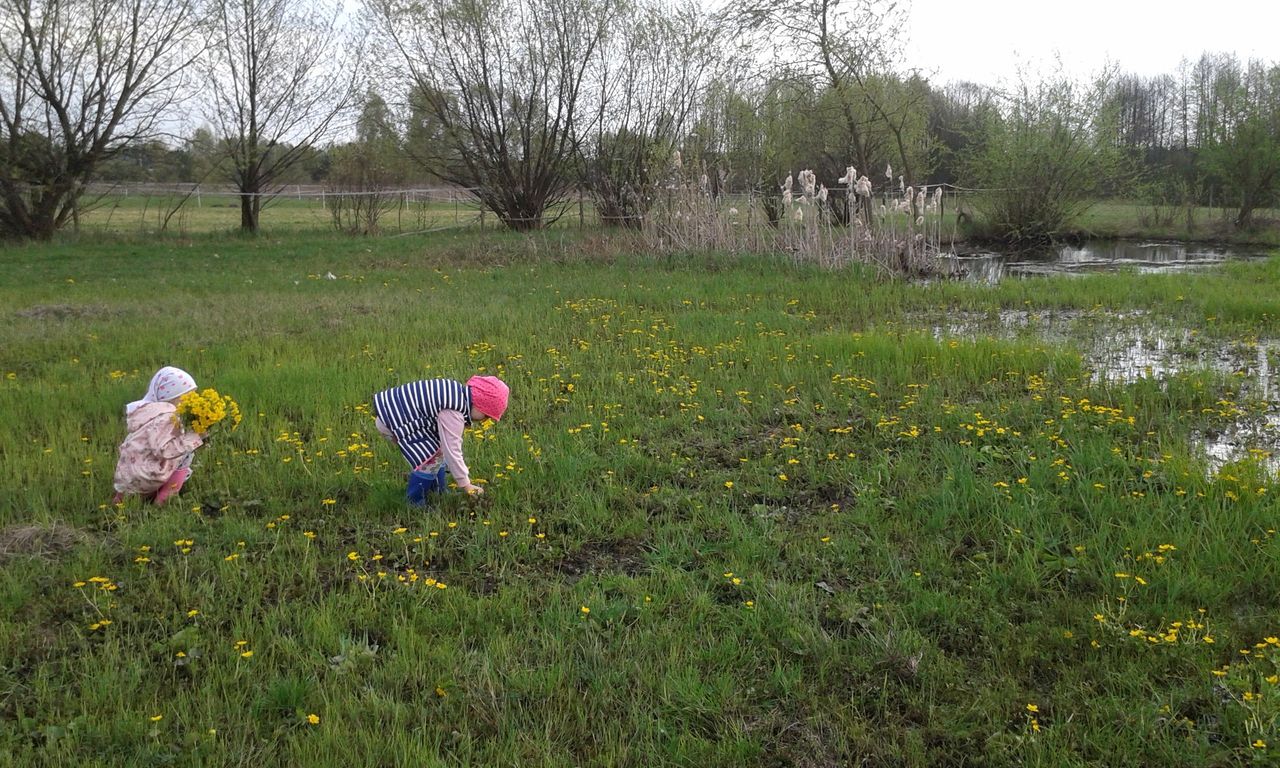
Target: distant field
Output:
[
  {"x": 177, "y": 214},
  {"x": 291, "y": 212}
]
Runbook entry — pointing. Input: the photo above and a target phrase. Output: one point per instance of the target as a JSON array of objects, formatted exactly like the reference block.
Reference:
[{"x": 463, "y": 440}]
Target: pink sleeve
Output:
[{"x": 451, "y": 426}]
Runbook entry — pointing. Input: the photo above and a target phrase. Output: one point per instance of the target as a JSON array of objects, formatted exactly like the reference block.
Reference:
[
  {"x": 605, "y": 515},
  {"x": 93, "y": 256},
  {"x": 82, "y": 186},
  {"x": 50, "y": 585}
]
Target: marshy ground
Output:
[{"x": 740, "y": 512}]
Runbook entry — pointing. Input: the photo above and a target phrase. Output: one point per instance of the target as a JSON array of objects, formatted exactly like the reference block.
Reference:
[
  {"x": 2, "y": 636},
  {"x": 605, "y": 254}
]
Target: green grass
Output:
[
  {"x": 1127, "y": 219},
  {"x": 142, "y": 214},
  {"x": 805, "y": 532}
]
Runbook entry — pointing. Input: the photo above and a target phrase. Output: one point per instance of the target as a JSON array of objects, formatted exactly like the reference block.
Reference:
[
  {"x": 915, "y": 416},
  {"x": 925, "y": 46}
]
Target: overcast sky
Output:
[{"x": 984, "y": 40}]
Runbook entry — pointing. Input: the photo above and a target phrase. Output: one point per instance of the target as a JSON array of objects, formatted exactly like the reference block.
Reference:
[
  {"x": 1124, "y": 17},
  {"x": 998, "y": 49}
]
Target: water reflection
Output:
[
  {"x": 1120, "y": 348},
  {"x": 1255, "y": 438},
  {"x": 1094, "y": 256}
]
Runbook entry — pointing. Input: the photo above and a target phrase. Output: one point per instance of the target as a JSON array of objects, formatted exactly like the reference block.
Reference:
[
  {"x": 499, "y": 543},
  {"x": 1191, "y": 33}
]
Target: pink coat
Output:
[{"x": 155, "y": 446}]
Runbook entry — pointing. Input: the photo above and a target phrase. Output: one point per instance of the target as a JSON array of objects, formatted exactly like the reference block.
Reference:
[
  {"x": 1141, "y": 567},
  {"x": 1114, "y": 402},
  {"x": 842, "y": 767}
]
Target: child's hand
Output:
[{"x": 474, "y": 490}]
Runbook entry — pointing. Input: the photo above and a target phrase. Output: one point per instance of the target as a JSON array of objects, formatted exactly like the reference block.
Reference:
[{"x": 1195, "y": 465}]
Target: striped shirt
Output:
[{"x": 411, "y": 412}]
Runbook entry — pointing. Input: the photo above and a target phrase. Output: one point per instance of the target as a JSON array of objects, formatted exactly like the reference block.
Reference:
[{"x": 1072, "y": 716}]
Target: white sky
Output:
[{"x": 985, "y": 40}]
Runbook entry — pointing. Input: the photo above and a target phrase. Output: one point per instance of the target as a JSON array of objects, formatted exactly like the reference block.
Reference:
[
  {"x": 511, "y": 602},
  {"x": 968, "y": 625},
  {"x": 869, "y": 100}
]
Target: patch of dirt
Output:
[
  {"x": 626, "y": 556},
  {"x": 797, "y": 740},
  {"x": 40, "y": 541},
  {"x": 60, "y": 311}
]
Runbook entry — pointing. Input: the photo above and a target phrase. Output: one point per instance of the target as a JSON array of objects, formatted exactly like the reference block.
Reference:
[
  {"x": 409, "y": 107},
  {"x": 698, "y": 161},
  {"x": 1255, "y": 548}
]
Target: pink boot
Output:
[{"x": 172, "y": 485}]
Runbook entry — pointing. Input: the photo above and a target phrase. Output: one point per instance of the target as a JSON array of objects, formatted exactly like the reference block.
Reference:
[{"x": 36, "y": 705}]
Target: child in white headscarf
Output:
[{"x": 155, "y": 457}]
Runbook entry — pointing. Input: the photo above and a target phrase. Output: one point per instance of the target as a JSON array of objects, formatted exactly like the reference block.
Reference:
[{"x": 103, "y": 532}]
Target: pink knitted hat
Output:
[{"x": 489, "y": 395}]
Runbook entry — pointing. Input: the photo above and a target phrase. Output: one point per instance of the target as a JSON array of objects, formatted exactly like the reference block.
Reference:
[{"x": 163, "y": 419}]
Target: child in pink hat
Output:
[{"x": 425, "y": 419}]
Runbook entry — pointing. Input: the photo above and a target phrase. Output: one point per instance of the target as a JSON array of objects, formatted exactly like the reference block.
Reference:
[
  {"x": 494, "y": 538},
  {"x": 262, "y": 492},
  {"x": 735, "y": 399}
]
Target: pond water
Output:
[
  {"x": 1123, "y": 347},
  {"x": 1096, "y": 256}
]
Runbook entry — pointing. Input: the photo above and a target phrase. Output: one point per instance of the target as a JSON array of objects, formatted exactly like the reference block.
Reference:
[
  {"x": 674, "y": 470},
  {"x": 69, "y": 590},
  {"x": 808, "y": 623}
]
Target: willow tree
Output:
[
  {"x": 79, "y": 81},
  {"x": 652, "y": 74},
  {"x": 848, "y": 50},
  {"x": 1244, "y": 154},
  {"x": 503, "y": 84},
  {"x": 1043, "y": 153},
  {"x": 279, "y": 76}
]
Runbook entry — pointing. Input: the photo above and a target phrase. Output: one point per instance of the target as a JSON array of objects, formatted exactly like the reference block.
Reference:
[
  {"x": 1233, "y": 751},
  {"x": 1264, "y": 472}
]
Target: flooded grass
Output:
[
  {"x": 1098, "y": 256},
  {"x": 1120, "y": 348}
]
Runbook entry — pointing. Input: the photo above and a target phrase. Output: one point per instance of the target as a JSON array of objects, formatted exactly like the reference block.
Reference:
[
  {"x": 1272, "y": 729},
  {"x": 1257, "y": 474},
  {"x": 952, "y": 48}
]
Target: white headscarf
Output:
[{"x": 168, "y": 383}]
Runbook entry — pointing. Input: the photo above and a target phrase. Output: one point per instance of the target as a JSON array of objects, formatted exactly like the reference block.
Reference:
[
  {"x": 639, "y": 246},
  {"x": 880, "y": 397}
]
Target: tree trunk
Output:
[
  {"x": 1244, "y": 219},
  {"x": 249, "y": 210}
]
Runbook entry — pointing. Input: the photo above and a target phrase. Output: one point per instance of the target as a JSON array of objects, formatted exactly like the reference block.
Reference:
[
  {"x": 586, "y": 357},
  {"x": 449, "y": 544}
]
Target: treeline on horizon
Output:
[
  {"x": 1163, "y": 120},
  {"x": 527, "y": 102}
]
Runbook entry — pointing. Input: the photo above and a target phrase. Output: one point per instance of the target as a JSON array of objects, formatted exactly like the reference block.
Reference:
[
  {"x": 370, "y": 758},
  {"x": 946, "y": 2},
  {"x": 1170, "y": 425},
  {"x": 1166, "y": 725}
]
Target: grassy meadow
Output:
[
  {"x": 141, "y": 214},
  {"x": 740, "y": 512}
]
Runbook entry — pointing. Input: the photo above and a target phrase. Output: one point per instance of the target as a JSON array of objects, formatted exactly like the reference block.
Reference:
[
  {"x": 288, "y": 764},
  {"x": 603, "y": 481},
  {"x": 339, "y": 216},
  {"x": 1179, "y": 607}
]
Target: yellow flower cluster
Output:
[{"x": 200, "y": 410}]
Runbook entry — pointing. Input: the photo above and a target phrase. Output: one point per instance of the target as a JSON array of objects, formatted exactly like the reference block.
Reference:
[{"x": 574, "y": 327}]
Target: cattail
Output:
[
  {"x": 902, "y": 182},
  {"x": 919, "y": 221},
  {"x": 786, "y": 185},
  {"x": 786, "y": 194},
  {"x": 733, "y": 211},
  {"x": 808, "y": 181},
  {"x": 864, "y": 187},
  {"x": 676, "y": 160},
  {"x": 909, "y": 193},
  {"x": 888, "y": 172},
  {"x": 703, "y": 181},
  {"x": 800, "y": 214},
  {"x": 822, "y": 194},
  {"x": 850, "y": 176}
]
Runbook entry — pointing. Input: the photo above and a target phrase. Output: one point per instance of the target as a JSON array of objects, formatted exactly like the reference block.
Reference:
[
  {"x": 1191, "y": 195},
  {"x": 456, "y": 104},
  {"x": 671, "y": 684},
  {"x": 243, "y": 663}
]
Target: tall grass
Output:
[{"x": 901, "y": 236}]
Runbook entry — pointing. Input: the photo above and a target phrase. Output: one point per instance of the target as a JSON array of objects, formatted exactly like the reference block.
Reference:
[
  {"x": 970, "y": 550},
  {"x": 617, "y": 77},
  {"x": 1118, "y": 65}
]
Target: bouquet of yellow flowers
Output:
[{"x": 200, "y": 410}]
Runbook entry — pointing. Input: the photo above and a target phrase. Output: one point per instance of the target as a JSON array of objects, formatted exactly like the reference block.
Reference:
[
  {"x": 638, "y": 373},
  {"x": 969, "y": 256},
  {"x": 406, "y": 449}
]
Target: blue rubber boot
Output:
[{"x": 423, "y": 484}]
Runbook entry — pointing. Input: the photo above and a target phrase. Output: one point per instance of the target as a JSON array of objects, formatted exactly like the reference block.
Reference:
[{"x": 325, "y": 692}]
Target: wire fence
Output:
[
  {"x": 196, "y": 208},
  {"x": 191, "y": 208}
]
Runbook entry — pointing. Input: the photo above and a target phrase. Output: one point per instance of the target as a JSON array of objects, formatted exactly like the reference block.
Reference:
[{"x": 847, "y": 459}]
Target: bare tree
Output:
[
  {"x": 279, "y": 77},
  {"x": 502, "y": 81},
  {"x": 652, "y": 73},
  {"x": 364, "y": 173},
  {"x": 80, "y": 79}
]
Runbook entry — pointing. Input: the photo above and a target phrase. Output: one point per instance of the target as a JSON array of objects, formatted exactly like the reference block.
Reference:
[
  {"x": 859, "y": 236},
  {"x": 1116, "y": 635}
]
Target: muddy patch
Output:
[
  {"x": 45, "y": 542},
  {"x": 626, "y": 556},
  {"x": 61, "y": 312}
]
